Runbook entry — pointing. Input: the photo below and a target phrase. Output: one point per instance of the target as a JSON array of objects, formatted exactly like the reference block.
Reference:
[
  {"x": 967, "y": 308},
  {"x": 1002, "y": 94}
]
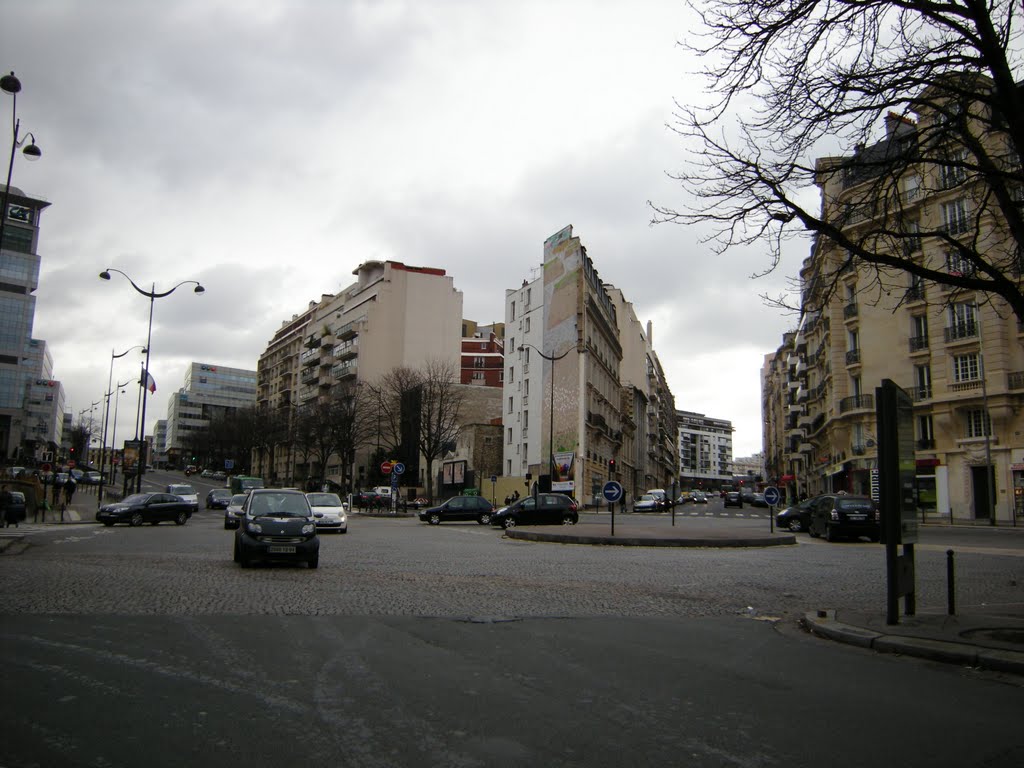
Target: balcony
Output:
[
  {"x": 312, "y": 341},
  {"x": 309, "y": 375},
  {"x": 918, "y": 344},
  {"x": 1015, "y": 380},
  {"x": 920, "y": 393},
  {"x": 961, "y": 331},
  {"x": 344, "y": 371},
  {"x": 965, "y": 386},
  {"x": 853, "y": 357},
  {"x": 347, "y": 350},
  {"x": 309, "y": 357},
  {"x": 349, "y": 330},
  {"x": 850, "y": 311},
  {"x": 856, "y": 403}
]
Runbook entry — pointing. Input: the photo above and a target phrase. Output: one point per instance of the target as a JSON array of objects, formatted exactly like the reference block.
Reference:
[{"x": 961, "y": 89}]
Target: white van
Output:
[{"x": 383, "y": 490}]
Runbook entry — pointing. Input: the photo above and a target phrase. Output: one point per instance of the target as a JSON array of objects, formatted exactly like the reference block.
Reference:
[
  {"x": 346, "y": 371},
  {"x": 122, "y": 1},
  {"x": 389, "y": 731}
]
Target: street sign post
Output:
[
  {"x": 771, "y": 497},
  {"x": 612, "y": 492}
]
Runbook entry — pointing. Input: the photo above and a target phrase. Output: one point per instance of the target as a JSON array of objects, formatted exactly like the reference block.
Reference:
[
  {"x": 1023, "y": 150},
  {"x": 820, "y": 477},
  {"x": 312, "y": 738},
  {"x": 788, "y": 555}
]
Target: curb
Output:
[
  {"x": 639, "y": 541},
  {"x": 824, "y": 624}
]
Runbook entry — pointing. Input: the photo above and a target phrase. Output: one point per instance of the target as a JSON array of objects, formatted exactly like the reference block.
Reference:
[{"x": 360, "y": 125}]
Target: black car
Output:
[
  {"x": 841, "y": 515},
  {"x": 546, "y": 509},
  {"x": 732, "y": 499},
  {"x": 797, "y": 517},
  {"x": 218, "y": 498},
  {"x": 152, "y": 508},
  {"x": 460, "y": 508},
  {"x": 277, "y": 526}
]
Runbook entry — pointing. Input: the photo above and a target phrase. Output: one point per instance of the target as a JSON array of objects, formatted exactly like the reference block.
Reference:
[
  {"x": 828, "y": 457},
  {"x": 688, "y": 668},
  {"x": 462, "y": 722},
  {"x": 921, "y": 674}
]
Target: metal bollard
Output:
[{"x": 950, "y": 584}]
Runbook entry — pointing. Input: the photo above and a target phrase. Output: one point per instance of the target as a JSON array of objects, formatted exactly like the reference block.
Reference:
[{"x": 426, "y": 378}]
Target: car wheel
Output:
[
  {"x": 484, "y": 519},
  {"x": 227, "y": 526},
  {"x": 314, "y": 561},
  {"x": 811, "y": 532},
  {"x": 237, "y": 554},
  {"x": 434, "y": 519},
  {"x": 568, "y": 520},
  {"x": 509, "y": 522},
  {"x": 136, "y": 520},
  {"x": 795, "y": 525},
  {"x": 830, "y": 536},
  {"x": 180, "y": 519}
]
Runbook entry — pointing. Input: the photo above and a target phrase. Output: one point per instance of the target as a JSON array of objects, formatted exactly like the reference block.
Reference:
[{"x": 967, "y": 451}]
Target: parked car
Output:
[
  {"x": 646, "y": 503},
  {"x": 733, "y": 499},
  {"x": 840, "y": 515},
  {"x": 218, "y": 498},
  {"x": 187, "y": 492},
  {"x": 747, "y": 494},
  {"x": 797, "y": 517},
  {"x": 16, "y": 507},
  {"x": 277, "y": 525},
  {"x": 89, "y": 477},
  {"x": 329, "y": 511},
  {"x": 233, "y": 511},
  {"x": 662, "y": 498},
  {"x": 758, "y": 500},
  {"x": 547, "y": 509},
  {"x": 459, "y": 508},
  {"x": 139, "y": 508},
  {"x": 699, "y": 497}
]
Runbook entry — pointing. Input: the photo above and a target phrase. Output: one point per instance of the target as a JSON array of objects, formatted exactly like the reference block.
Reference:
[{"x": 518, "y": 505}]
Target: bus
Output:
[{"x": 243, "y": 483}]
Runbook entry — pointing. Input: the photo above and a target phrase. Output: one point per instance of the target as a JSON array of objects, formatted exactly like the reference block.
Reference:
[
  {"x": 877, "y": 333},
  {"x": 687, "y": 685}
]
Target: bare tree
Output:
[
  {"x": 441, "y": 399},
  {"x": 351, "y": 426},
  {"x": 794, "y": 78}
]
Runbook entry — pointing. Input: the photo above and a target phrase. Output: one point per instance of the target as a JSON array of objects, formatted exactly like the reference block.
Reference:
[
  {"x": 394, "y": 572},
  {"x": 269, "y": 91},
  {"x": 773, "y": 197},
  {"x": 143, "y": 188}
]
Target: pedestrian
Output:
[
  {"x": 7, "y": 507},
  {"x": 515, "y": 496},
  {"x": 69, "y": 490}
]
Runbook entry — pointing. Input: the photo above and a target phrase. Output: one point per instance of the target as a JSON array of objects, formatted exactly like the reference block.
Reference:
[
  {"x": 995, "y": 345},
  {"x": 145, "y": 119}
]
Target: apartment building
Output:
[
  {"x": 574, "y": 416},
  {"x": 393, "y": 315},
  {"x": 483, "y": 356},
  {"x": 957, "y": 352},
  {"x": 705, "y": 451}
]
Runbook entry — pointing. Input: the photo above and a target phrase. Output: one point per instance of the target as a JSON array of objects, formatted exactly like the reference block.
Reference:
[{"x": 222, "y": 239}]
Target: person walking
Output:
[
  {"x": 7, "y": 508},
  {"x": 69, "y": 490}
]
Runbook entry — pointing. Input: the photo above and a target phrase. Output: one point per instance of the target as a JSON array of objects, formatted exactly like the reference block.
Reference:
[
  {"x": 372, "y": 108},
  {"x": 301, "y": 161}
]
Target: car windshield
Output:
[
  {"x": 323, "y": 499},
  {"x": 279, "y": 505},
  {"x": 182, "y": 490},
  {"x": 647, "y": 497},
  {"x": 238, "y": 499}
]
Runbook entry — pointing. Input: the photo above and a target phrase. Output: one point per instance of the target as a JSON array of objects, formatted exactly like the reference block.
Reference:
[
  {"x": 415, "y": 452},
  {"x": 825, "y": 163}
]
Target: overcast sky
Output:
[{"x": 267, "y": 149}]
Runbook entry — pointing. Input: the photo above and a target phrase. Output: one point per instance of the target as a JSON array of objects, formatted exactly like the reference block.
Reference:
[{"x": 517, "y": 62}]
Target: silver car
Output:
[
  {"x": 233, "y": 513},
  {"x": 329, "y": 512}
]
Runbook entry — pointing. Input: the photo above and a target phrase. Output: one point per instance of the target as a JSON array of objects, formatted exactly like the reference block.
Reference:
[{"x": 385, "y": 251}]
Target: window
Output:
[
  {"x": 911, "y": 187},
  {"x": 479, "y": 376},
  {"x": 528, "y": 291},
  {"x": 978, "y": 423},
  {"x": 526, "y": 419},
  {"x": 919, "y": 327},
  {"x": 510, "y": 405},
  {"x": 962, "y": 319},
  {"x": 924, "y": 428},
  {"x": 513, "y": 309},
  {"x": 853, "y": 341},
  {"x": 527, "y": 329},
  {"x": 965, "y": 368},
  {"x": 526, "y": 388},
  {"x": 958, "y": 266},
  {"x": 510, "y": 435},
  {"x": 478, "y": 362},
  {"x": 923, "y": 379},
  {"x": 954, "y": 216},
  {"x": 912, "y": 243},
  {"x": 511, "y": 373},
  {"x": 954, "y": 173}
]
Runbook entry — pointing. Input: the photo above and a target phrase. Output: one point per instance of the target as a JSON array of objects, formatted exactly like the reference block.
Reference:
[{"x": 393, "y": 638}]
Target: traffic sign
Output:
[
  {"x": 385, "y": 467},
  {"x": 399, "y": 468},
  {"x": 771, "y": 495},
  {"x": 612, "y": 491}
]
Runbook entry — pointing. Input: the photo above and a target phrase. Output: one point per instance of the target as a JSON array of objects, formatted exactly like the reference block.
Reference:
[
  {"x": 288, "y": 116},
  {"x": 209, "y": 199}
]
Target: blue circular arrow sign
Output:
[
  {"x": 771, "y": 495},
  {"x": 398, "y": 468},
  {"x": 612, "y": 491}
]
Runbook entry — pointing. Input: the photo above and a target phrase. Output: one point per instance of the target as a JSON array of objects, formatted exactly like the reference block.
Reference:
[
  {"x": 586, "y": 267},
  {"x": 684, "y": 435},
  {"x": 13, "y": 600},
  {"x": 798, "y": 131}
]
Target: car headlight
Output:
[
  {"x": 309, "y": 528},
  {"x": 254, "y": 528}
]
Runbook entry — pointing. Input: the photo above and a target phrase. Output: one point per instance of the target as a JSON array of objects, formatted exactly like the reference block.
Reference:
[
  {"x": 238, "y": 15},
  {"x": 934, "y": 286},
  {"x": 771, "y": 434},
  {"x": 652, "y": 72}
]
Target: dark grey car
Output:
[{"x": 460, "y": 508}]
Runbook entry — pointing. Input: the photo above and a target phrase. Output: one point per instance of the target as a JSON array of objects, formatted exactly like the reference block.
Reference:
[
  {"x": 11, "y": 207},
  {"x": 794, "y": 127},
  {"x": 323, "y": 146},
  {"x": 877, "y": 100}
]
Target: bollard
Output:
[{"x": 950, "y": 584}]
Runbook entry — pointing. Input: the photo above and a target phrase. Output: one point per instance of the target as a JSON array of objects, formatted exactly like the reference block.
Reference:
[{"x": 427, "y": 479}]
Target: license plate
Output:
[
  {"x": 858, "y": 517},
  {"x": 281, "y": 550}
]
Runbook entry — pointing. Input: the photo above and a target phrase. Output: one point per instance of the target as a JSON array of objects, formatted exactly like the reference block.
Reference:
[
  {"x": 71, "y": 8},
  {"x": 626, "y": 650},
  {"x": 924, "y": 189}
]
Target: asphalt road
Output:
[{"x": 452, "y": 645}]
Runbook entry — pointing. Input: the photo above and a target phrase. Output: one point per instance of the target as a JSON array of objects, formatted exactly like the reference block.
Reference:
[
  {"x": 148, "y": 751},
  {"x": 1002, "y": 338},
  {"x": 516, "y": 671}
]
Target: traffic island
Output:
[{"x": 599, "y": 534}]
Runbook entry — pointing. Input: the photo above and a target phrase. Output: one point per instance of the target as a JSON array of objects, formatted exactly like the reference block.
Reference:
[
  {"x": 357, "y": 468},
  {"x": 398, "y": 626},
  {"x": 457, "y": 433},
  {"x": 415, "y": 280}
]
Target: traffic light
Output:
[{"x": 611, "y": 466}]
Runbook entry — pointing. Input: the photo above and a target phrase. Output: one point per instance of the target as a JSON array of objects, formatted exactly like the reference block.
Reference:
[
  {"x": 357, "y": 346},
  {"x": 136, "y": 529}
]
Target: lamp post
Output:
[
  {"x": 551, "y": 415},
  {"x": 106, "y": 421},
  {"x": 12, "y": 85},
  {"x": 152, "y": 295}
]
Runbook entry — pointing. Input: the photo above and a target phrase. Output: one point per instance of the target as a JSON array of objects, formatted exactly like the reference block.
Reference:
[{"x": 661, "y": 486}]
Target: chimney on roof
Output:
[{"x": 894, "y": 122}]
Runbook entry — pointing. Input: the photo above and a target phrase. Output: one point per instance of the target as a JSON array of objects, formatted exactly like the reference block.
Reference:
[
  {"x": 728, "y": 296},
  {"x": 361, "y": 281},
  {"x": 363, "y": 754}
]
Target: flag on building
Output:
[{"x": 150, "y": 383}]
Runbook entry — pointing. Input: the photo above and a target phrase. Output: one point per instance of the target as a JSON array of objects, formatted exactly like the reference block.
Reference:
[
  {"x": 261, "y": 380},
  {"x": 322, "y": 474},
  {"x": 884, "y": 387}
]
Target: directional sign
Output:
[
  {"x": 612, "y": 491},
  {"x": 771, "y": 495},
  {"x": 399, "y": 468}
]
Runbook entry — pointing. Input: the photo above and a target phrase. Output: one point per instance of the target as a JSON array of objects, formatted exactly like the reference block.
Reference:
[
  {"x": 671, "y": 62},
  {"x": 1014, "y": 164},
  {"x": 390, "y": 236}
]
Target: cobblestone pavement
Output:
[{"x": 404, "y": 567}]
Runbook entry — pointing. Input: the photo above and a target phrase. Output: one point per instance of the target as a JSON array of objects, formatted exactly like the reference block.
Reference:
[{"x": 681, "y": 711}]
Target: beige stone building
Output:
[
  {"x": 585, "y": 397},
  {"x": 957, "y": 352}
]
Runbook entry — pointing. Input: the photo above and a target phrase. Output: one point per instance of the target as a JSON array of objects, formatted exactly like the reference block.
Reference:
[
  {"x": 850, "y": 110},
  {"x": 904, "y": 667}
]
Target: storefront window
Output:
[{"x": 927, "y": 501}]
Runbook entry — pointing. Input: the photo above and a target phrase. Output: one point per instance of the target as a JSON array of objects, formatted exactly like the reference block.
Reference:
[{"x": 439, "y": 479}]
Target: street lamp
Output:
[
  {"x": 106, "y": 420},
  {"x": 152, "y": 295},
  {"x": 12, "y": 85},
  {"x": 551, "y": 415}
]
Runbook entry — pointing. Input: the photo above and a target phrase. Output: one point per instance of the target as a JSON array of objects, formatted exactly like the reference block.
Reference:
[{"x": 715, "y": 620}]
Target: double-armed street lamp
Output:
[
  {"x": 12, "y": 85},
  {"x": 551, "y": 414},
  {"x": 146, "y": 380},
  {"x": 106, "y": 418}
]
